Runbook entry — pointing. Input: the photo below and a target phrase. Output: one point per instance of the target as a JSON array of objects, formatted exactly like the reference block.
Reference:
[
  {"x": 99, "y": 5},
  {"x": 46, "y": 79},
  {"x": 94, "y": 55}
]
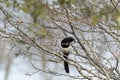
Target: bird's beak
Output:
[{"x": 73, "y": 42}]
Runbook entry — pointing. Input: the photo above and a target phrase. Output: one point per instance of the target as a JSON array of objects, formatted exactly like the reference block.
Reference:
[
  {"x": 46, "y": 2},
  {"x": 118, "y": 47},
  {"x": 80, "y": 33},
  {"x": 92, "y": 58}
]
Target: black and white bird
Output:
[{"x": 65, "y": 44}]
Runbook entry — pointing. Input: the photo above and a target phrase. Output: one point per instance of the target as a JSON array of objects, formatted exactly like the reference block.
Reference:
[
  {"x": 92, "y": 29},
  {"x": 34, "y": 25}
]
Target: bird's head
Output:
[{"x": 66, "y": 42}]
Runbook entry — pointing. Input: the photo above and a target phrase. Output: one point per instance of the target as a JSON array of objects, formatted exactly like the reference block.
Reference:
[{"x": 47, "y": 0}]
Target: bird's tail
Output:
[{"x": 66, "y": 66}]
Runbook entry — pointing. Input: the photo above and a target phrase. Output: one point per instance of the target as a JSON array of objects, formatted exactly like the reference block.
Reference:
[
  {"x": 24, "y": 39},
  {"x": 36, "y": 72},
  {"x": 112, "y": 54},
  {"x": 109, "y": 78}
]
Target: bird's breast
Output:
[{"x": 66, "y": 50}]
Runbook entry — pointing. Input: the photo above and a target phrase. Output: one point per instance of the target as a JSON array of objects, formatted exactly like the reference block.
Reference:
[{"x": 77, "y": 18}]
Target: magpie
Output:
[{"x": 65, "y": 44}]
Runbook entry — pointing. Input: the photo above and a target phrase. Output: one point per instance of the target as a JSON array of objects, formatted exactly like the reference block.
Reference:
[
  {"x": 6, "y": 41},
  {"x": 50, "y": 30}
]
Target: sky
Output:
[{"x": 19, "y": 68}]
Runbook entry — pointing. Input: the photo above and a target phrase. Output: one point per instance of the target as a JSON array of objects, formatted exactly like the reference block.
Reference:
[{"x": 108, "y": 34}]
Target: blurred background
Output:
[{"x": 31, "y": 32}]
